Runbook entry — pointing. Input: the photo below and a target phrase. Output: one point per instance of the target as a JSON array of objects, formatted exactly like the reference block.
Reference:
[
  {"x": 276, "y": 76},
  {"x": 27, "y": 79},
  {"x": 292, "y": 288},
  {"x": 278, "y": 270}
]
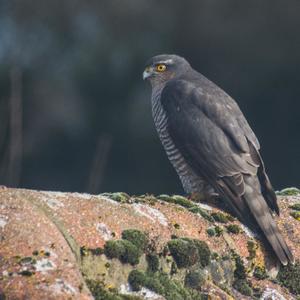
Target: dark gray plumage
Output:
[{"x": 211, "y": 145}]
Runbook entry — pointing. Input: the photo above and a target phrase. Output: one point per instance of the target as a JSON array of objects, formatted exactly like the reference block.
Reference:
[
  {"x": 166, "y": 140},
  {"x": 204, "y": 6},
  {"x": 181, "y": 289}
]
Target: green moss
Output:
[
  {"x": 226, "y": 257},
  {"x": 173, "y": 268},
  {"x": 131, "y": 254},
  {"x": 26, "y": 273},
  {"x": 26, "y": 260},
  {"x": 176, "y": 226},
  {"x": 114, "y": 249},
  {"x": 184, "y": 252},
  {"x": 187, "y": 252},
  {"x": 194, "y": 279},
  {"x": 100, "y": 293},
  {"x": 240, "y": 270},
  {"x": 220, "y": 217},
  {"x": 118, "y": 197},
  {"x": 292, "y": 191},
  {"x": 165, "y": 251},
  {"x": 203, "y": 213},
  {"x": 16, "y": 258},
  {"x": 289, "y": 276},
  {"x": 151, "y": 200},
  {"x": 211, "y": 231},
  {"x": 96, "y": 251},
  {"x": 137, "y": 279},
  {"x": 295, "y": 206},
  {"x": 203, "y": 252},
  {"x": 219, "y": 230},
  {"x": 84, "y": 251},
  {"x": 153, "y": 262},
  {"x": 243, "y": 287},
  {"x": 124, "y": 250},
  {"x": 252, "y": 247},
  {"x": 165, "y": 197},
  {"x": 161, "y": 284},
  {"x": 295, "y": 215},
  {"x": 136, "y": 237},
  {"x": 174, "y": 290},
  {"x": 257, "y": 292},
  {"x": 230, "y": 218},
  {"x": 184, "y": 202},
  {"x": 215, "y": 256},
  {"x": 176, "y": 199},
  {"x": 260, "y": 272},
  {"x": 233, "y": 228},
  {"x": 153, "y": 283}
]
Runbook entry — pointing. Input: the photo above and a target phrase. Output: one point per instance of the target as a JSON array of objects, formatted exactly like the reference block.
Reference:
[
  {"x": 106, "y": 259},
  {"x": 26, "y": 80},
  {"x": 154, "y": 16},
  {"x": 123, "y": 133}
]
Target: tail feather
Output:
[
  {"x": 265, "y": 184},
  {"x": 262, "y": 214}
]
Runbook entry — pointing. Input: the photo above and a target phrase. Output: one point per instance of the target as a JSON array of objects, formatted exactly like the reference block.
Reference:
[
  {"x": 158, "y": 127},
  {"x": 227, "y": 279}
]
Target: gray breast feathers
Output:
[{"x": 191, "y": 182}]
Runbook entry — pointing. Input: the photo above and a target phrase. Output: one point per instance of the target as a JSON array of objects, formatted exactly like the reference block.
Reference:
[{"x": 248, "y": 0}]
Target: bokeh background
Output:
[{"x": 76, "y": 115}]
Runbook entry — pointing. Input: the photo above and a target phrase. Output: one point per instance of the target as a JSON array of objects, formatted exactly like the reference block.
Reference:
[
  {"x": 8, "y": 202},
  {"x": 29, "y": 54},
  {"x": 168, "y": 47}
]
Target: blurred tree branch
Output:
[
  {"x": 13, "y": 145},
  {"x": 3, "y": 137},
  {"x": 99, "y": 163}
]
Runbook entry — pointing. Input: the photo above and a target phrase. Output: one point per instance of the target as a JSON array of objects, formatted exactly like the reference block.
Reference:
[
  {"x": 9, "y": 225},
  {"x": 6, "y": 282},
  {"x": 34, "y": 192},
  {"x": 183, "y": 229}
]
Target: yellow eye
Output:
[{"x": 161, "y": 67}]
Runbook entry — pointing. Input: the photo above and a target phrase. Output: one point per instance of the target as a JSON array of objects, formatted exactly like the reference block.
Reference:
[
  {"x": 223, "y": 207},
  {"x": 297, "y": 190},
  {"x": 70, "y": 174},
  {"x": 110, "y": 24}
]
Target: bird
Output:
[{"x": 212, "y": 147}]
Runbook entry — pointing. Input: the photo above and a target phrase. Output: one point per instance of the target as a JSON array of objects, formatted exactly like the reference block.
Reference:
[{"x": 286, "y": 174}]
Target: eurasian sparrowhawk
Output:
[{"x": 211, "y": 145}]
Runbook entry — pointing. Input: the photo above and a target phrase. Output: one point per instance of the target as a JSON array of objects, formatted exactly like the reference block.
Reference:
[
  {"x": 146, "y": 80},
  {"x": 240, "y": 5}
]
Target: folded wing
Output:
[{"x": 217, "y": 142}]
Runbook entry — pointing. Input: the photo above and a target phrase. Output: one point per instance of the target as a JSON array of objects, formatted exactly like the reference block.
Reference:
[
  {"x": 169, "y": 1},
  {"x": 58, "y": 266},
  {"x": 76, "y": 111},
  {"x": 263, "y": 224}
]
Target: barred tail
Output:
[{"x": 262, "y": 214}]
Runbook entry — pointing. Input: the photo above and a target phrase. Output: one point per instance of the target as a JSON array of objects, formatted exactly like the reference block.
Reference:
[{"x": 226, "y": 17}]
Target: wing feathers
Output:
[
  {"x": 265, "y": 184},
  {"x": 216, "y": 141}
]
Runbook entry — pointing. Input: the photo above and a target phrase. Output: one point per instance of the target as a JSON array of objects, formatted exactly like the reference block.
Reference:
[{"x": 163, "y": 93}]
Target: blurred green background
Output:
[{"x": 76, "y": 115}]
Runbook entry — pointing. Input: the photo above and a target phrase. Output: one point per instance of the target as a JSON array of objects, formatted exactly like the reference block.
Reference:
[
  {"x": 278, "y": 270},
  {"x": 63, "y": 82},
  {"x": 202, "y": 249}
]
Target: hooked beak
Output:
[{"x": 147, "y": 73}]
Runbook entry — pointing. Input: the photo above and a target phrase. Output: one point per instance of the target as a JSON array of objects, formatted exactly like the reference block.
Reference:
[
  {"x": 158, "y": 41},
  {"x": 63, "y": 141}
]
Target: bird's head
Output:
[{"x": 161, "y": 68}]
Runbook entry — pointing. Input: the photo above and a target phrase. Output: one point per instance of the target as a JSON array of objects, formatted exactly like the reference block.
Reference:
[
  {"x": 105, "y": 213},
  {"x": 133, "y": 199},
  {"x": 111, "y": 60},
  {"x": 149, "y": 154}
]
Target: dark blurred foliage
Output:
[{"x": 76, "y": 115}]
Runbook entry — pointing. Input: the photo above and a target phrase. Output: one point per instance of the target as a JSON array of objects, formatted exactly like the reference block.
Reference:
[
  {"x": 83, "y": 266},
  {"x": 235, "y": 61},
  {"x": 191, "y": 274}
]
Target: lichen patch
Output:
[
  {"x": 82, "y": 196},
  {"x": 43, "y": 265},
  {"x": 3, "y": 221},
  {"x": 54, "y": 194},
  {"x": 151, "y": 213},
  {"x": 291, "y": 191},
  {"x": 125, "y": 289},
  {"x": 62, "y": 287},
  {"x": 104, "y": 231},
  {"x": 271, "y": 294},
  {"x": 204, "y": 206},
  {"x": 53, "y": 203}
]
